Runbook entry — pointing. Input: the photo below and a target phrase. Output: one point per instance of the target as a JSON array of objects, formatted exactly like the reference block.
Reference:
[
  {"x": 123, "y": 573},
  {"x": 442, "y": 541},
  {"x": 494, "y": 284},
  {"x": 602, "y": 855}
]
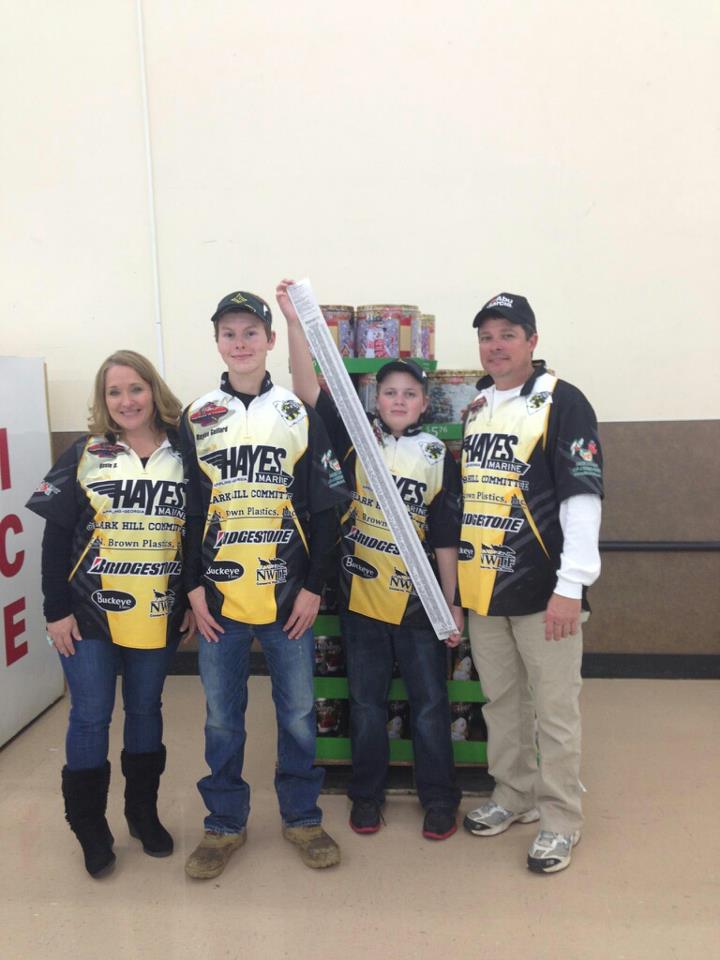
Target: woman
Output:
[{"x": 111, "y": 556}]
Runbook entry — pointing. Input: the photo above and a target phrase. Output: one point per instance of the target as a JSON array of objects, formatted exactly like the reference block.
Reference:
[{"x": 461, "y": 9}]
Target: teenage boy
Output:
[
  {"x": 532, "y": 484},
  {"x": 262, "y": 490},
  {"x": 381, "y": 615}
]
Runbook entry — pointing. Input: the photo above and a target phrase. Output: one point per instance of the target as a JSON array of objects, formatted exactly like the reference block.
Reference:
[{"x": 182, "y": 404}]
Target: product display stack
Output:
[{"x": 367, "y": 337}]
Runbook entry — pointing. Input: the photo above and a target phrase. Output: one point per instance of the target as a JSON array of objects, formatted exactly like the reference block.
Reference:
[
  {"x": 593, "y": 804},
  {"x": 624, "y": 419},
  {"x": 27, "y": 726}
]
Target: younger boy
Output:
[
  {"x": 262, "y": 488},
  {"x": 381, "y": 614}
]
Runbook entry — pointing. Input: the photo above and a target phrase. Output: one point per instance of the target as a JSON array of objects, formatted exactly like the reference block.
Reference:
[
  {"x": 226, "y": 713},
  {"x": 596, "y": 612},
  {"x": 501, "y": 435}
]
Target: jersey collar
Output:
[
  {"x": 538, "y": 370},
  {"x": 228, "y": 388},
  {"x": 411, "y": 431},
  {"x": 170, "y": 435}
]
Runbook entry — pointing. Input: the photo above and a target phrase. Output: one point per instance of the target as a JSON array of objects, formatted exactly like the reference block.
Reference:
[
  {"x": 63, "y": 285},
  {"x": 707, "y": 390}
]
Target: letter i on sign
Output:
[{"x": 4, "y": 460}]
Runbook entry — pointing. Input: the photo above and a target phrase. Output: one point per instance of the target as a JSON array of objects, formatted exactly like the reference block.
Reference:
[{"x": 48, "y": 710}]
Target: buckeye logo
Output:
[
  {"x": 113, "y": 601},
  {"x": 224, "y": 571},
  {"x": 466, "y": 551},
  {"x": 359, "y": 568}
]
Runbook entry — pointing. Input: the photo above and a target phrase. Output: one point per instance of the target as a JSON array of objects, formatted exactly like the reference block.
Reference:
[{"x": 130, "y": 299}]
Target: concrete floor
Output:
[{"x": 644, "y": 882}]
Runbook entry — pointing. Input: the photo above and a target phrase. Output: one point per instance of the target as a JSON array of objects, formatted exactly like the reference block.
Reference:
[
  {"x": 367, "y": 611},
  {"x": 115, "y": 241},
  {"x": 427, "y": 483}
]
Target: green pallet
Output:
[
  {"x": 373, "y": 364},
  {"x": 336, "y": 688},
  {"x": 338, "y": 749},
  {"x": 328, "y": 625}
]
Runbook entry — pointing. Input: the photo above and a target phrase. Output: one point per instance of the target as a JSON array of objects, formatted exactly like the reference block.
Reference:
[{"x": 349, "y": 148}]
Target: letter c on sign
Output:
[{"x": 8, "y": 567}]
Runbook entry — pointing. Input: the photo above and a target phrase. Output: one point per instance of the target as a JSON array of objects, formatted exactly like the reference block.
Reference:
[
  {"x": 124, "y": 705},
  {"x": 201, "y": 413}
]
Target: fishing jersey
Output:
[
  {"x": 257, "y": 474},
  {"x": 126, "y": 524},
  {"x": 519, "y": 462},
  {"x": 373, "y": 578}
]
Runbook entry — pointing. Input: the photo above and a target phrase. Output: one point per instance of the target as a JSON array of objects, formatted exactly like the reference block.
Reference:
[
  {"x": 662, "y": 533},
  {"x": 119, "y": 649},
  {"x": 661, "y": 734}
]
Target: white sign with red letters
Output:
[{"x": 30, "y": 675}]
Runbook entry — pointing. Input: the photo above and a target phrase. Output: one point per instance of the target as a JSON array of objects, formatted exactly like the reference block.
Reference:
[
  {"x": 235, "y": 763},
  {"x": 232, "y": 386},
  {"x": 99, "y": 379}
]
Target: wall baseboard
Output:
[{"x": 651, "y": 666}]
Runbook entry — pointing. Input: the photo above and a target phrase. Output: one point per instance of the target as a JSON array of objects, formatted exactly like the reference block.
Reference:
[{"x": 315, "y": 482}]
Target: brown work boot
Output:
[
  {"x": 209, "y": 857},
  {"x": 317, "y": 848}
]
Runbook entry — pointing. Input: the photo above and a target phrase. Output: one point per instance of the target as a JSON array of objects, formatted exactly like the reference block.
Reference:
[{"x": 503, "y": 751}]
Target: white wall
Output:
[{"x": 394, "y": 152}]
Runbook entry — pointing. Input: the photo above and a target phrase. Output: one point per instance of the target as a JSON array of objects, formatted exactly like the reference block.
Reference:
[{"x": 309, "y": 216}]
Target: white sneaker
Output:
[
  {"x": 550, "y": 852},
  {"x": 491, "y": 819}
]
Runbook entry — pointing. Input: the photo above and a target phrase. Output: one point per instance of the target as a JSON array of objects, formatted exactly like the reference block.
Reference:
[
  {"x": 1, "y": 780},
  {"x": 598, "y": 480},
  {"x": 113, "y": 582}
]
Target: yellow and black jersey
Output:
[
  {"x": 519, "y": 462},
  {"x": 257, "y": 474},
  {"x": 373, "y": 578},
  {"x": 125, "y": 521}
]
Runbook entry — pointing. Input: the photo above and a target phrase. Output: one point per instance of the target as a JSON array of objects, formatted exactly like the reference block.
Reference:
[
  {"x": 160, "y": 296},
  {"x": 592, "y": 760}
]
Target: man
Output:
[
  {"x": 532, "y": 487},
  {"x": 262, "y": 489}
]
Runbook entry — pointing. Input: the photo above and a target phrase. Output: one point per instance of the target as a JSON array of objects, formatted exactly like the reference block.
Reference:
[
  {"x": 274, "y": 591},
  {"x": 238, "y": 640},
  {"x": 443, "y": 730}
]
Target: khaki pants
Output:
[{"x": 524, "y": 676}]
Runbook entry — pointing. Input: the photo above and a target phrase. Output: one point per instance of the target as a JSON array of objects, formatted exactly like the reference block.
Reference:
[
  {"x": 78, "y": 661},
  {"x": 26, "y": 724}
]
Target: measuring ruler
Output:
[{"x": 350, "y": 409}]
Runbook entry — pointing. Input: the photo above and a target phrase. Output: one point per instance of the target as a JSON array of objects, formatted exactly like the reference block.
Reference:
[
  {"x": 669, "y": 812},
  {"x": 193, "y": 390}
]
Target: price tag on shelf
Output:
[{"x": 350, "y": 409}]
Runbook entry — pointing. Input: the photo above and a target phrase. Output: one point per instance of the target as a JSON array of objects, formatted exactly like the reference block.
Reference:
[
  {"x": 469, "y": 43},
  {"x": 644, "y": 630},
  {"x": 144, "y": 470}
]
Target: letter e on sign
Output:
[{"x": 13, "y": 628}]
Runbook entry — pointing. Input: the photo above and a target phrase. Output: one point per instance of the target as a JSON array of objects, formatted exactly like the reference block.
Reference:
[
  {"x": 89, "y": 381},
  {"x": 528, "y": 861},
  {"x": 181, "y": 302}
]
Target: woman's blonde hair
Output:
[{"x": 167, "y": 406}]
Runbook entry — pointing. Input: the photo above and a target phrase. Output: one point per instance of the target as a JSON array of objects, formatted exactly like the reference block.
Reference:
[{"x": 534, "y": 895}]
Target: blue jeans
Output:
[
  {"x": 369, "y": 646},
  {"x": 224, "y": 668},
  {"x": 91, "y": 674}
]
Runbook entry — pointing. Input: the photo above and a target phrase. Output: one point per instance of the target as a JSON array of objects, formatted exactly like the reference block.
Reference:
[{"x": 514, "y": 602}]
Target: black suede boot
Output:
[
  {"x": 85, "y": 794},
  {"x": 142, "y": 775}
]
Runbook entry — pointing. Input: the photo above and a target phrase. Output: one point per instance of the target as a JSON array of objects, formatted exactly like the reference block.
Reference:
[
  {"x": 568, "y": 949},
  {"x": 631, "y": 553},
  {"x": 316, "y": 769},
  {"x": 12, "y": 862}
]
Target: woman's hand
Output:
[
  {"x": 62, "y": 633},
  {"x": 187, "y": 627}
]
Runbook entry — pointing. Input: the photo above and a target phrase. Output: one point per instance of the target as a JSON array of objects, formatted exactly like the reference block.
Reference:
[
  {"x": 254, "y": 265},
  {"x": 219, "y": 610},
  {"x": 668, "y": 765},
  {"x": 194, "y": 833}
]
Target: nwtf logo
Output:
[
  {"x": 400, "y": 581},
  {"x": 270, "y": 572},
  {"x": 162, "y": 603}
]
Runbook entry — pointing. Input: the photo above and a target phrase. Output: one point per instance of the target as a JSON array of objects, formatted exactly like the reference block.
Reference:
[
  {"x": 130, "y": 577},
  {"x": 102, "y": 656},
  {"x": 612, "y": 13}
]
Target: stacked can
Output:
[
  {"x": 455, "y": 449},
  {"x": 329, "y": 657},
  {"x": 450, "y": 393},
  {"x": 460, "y": 724},
  {"x": 423, "y": 336},
  {"x": 384, "y": 330},
  {"x": 341, "y": 322},
  {"x": 331, "y": 717},
  {"x": 462, "y": 666},
  {"x": 367, "y": 391},
  {"x": 427, "y": 336},
  {"x": 398, "y": 722},
  {"x": 478, "y": 728},
  {"x": 416, "y": 336}
]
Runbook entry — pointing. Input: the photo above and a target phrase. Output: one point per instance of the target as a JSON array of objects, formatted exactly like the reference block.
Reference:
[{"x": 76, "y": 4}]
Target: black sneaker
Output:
[
  {"x": 439, "y": 824},
  {"x": 365, "y": 816}
]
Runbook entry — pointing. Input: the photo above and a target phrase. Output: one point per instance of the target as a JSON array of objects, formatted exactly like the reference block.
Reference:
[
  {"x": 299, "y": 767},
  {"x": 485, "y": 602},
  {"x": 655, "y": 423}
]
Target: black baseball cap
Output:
[
  {"x": 242, "y": 302},
  {"x": 512, "y": 306},
  {"x": 403, "y": 366}
]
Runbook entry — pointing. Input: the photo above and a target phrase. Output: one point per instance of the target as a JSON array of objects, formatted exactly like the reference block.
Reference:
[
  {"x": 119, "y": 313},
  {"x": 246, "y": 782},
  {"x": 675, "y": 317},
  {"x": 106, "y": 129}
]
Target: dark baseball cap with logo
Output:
[
  {"x": 403, "y": 366},
  {"x": 511, "y": 306},
  {"x": 242, "y": 302}
]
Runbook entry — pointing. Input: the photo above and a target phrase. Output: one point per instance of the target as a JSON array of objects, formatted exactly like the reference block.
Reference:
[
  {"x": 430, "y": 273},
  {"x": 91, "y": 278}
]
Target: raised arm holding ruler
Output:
[{"x": 351, "y": 410}]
